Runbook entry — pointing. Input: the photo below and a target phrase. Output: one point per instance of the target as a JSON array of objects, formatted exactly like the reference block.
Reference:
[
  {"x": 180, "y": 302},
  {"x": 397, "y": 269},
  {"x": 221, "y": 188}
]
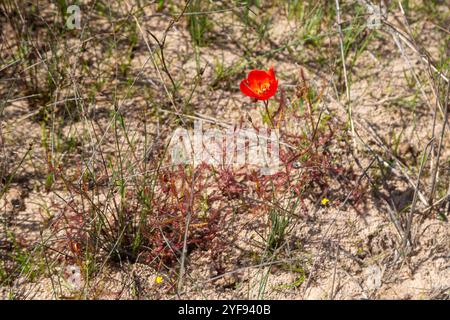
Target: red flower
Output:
[{"x": 260, "y": 84}]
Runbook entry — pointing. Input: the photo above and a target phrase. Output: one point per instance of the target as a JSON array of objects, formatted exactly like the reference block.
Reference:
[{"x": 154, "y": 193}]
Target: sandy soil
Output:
[{"x": 342, "y": 250}]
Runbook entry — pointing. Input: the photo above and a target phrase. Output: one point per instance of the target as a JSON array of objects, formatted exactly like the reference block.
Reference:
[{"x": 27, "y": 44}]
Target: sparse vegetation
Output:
[{"x": 92, "y": 205}]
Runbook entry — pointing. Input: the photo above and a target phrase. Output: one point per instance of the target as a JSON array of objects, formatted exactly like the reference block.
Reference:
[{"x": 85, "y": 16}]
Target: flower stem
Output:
[{"x": 266, "y": 105}]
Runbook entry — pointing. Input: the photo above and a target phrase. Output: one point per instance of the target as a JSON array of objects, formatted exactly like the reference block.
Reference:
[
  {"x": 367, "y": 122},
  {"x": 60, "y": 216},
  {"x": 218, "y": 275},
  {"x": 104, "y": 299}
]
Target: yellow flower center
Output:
[{"x": 262, "y": 88}]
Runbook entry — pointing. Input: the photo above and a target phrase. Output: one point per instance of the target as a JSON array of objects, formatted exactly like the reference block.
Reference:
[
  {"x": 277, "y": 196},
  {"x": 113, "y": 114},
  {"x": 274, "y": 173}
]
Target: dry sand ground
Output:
[{"x": 333, "y": 251}]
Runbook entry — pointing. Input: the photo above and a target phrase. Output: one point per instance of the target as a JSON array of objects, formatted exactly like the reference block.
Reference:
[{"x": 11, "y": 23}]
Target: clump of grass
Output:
[
  {"x": 199, "y": 24},
  {"x": 278, "y": 226}
]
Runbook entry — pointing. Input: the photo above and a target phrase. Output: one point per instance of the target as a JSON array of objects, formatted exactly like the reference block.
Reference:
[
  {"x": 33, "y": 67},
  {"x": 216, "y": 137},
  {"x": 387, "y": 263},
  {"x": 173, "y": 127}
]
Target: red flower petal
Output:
[
  {"x": 271, "y": 73},
  {"x": 245, "y": 89},
  {"x": 257, "y": 75}
]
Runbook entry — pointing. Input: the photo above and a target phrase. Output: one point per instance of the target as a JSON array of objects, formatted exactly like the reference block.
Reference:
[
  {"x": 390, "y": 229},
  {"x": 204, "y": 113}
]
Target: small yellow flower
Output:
[
  {"x": 324, "y": 201},
  {"x": 159, "y": 280}
]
